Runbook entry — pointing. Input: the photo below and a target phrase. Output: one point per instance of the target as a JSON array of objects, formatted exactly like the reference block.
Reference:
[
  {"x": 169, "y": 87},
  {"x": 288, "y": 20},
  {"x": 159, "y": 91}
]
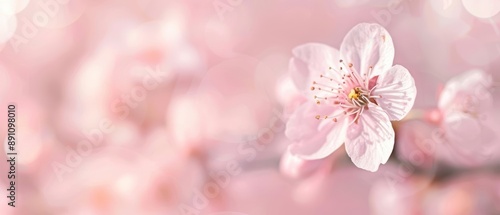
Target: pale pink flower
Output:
[
  {"x": 459, "y": 131},
  {"x": 354, "y": 94},
  {"x": 466, "y": 106}
]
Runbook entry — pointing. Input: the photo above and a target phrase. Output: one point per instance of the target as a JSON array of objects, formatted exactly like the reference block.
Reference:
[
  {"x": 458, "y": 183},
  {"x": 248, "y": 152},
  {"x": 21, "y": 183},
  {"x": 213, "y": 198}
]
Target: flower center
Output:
[
  {"x": 354, "y": 94},
  {"x": 345, "y": 88},
  {"x": 359, "y": 97}
]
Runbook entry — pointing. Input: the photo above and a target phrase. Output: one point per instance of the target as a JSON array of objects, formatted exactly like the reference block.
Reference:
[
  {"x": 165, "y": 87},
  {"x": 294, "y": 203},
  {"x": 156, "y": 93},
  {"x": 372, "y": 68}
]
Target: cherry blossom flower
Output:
[
  {"x": 354, "y": 94},
  {"x": 466, "y": 106},
  {"x": 460, "y": 131}
]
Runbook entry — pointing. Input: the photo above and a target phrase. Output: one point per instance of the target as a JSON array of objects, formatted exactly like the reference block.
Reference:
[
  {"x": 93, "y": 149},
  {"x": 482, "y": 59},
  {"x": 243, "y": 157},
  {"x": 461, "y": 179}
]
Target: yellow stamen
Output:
[{"x": 353, "y": 94}]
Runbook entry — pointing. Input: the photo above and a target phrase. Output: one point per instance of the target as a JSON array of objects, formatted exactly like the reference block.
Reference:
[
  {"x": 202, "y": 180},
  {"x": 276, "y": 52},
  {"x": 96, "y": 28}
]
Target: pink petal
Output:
[
  {"x": 398, "y": 92},
  {"x": 368, "y": 45},
  {"x": 309, "y": 61},
  {"x": 313, "y": 138},
  {"x": 302, "y": 124},
  {"x": 474, "y": 85},
  {"x": 463, "y": 126},
  {"x": 467, "y": 133},
  {"x": 370, "y": 141},
  {"x": 468, "y": 141}
]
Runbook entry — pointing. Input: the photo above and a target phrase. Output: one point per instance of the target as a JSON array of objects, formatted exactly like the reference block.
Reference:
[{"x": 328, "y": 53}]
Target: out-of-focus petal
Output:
[
  {"x": 370, "y": 141},
  {"x": 469, "y": 141},
  {"x": 296, "y": 167},
  {"x": 468, "y": 91},
  {"x": 462, "y": 125},
  {"x": 397, "y": 90},
  {"x": 483, "y": 8},
  {"x": 466, "y": 194},
  {"x": 368, "y": 45}
]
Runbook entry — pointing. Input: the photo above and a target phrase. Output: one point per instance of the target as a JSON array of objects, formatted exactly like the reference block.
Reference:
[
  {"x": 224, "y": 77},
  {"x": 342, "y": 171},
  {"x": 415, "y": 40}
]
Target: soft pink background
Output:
[{"x": 217, "y": 104}]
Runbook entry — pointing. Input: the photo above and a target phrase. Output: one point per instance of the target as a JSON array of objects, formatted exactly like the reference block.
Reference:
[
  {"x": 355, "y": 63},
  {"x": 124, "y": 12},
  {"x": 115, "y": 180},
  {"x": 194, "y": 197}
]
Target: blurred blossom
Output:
[
  {"x": 230, "y": 100},
  {"x": 349, "y": 3},
  {"x": 476, "y": 51},
  {"x": 296, "y": 167},
  {"x": 459, "y": 132},
  {"x": 219, "y": 38},
  {"x": 8, "y": 25},
  {"x": 466, "y": 105},
  {"x": 447, "y": 8},
  {"x": 482, "y": 8},
  {"x": 468, "y": 93},
  {"x": 64, "y": 13},
  {"x": 186, "y": 121},
  {"x": 404, "y": 197},
  {"x": 275, "y": 193},
  {"x": 131, "y": 176},
  {"x": 345, "y": 191},
  {"x": 157, "y": 8},
  {"x": 11, "y": 7},
  {"x": 85, "y": 100},
  {"x": 475, "y": 194}
]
